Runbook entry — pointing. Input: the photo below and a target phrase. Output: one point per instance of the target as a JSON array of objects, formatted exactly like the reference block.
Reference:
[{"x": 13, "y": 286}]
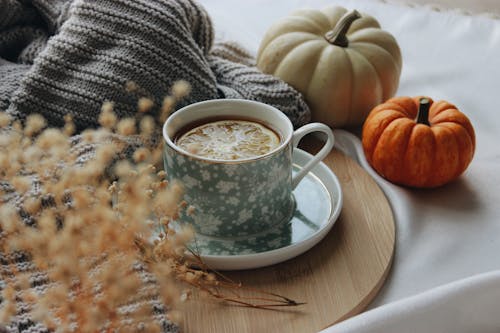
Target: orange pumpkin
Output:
[{"x": 418, "y": 143}]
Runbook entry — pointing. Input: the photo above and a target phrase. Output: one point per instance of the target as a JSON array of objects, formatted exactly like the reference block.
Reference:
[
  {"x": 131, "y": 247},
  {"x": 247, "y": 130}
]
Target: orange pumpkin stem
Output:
[
  {"x": 337, "y": 36},
  {"x": 423, "y": 112}
]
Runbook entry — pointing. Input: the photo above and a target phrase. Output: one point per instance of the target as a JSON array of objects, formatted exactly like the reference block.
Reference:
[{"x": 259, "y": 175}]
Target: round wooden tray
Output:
[{"x": 336, "y": 279}]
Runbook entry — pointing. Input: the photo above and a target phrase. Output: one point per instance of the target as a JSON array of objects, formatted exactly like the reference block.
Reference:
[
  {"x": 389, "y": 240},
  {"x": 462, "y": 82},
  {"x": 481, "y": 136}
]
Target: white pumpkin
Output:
[{"x": 342, "y": 62}]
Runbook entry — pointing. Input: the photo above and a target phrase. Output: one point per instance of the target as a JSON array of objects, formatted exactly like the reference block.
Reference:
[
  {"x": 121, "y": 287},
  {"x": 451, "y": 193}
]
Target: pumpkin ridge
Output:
[
  {"x": 461, "y": 119},
  {"x": 430, "y": 181},
  {"x": 287, "y": 42},
  {"x": 351, "y": 87},
  {"x": 380, "y": 38},
  {"x": 405, "y": 166},
  {"x": 452, "y": 174},
  {"x": 305, "y": 33},
  {"x": 438, "y": 115},
  {"x": 379, "y": 79},
  {"x": 398, "y": 108},
  {"x": 327, "y": 52},
  {"x": 386, "y": 116},
  {"x": 464, "y": 160},
  {"x": 299, "y": 38},
  {"x": 387, "y": 93},
  {"x": 441, "y": 106},
  {"x": 394, "y": 59},
  {"x": 316, "y": 64},
  {"x": 449, "y": 115},
  {"x": 284, "y": 26},
  {"x": 471, "y": 137},
  {"x": 416, "y": 136},
  {"x": 291, "y": 55},
  {"x": 366, "y": 90},
  {"x": 365, "y": 22},
  {"x": 409, "y": 113},
  {"x": 387, "y": 166}
]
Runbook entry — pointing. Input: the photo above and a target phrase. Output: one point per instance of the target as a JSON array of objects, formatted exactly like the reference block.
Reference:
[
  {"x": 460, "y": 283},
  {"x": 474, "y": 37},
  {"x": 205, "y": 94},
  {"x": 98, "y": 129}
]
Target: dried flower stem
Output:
[{"x": 87, "y": 237}]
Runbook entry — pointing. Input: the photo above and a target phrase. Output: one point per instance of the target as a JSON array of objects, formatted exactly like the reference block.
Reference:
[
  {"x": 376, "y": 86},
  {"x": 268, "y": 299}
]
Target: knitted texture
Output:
[
  {"x": 236, "y": 79},
  {"x": 39, "y": 281},
  {"x": 98, "y": 46},
  {"x": 60, "y": 57}
]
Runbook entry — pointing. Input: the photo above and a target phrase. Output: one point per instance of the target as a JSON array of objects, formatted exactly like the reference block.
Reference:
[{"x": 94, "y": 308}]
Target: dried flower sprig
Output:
[
  {"x": 223, "y": 288},
  {"x": 69, "y": 232},
  {"x": 77, "y": 219}
]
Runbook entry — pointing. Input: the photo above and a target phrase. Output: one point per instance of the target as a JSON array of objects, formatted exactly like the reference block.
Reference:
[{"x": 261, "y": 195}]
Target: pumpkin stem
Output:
[
  {"x": 337, "y": 36},
  {"x": 423, "y": 111}
]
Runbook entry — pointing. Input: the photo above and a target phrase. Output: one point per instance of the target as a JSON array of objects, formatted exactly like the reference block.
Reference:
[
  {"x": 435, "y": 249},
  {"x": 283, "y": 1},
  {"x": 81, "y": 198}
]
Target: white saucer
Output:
[{"x": 318, "y": 203}]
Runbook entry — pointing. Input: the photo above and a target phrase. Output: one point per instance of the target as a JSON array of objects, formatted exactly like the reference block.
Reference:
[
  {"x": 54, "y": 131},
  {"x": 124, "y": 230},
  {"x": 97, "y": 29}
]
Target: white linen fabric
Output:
[
  {"x": 469, "y": 305},
  {"x": 447, "y": 234}
]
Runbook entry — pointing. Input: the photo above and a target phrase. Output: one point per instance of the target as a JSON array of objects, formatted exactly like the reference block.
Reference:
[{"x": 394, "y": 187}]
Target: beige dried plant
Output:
[
  {"x": 88, "y": 218},
  {"x": 84, "y": 210}
]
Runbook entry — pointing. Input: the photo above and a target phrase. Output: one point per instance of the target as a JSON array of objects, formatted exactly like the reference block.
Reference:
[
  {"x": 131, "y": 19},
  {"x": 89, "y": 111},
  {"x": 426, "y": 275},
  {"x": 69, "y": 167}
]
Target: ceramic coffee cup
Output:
[{"x": 238, "y": 198}]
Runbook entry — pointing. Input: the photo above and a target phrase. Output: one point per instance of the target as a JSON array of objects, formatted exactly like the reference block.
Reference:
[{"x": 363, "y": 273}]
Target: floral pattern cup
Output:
[{"x": 245, "y": 197}]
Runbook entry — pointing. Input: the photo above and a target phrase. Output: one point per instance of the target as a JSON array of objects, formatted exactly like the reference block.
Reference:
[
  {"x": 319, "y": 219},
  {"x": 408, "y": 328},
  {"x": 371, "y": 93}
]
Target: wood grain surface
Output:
[{"x": 337, "y": 278}]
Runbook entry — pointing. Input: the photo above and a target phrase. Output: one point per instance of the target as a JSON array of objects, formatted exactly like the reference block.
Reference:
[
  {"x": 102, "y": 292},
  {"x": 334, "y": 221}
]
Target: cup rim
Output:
[{"x": 270, "y": 108}]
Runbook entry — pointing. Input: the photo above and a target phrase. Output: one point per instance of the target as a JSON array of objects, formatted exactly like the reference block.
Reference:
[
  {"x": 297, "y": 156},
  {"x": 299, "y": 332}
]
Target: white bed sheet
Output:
[{"x": 443, "y": 235}]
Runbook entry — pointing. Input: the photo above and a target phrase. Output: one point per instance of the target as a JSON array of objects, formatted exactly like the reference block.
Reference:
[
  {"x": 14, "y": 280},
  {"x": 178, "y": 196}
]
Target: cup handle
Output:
[{"x": 327, "y": 147}]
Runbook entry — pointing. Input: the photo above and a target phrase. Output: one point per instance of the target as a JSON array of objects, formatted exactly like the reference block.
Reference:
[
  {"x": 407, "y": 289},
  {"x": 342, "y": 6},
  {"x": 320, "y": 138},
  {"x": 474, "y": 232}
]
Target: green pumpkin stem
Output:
[
  {"x": 423, "y": 111},
  {"x": 337, "y": 36}
]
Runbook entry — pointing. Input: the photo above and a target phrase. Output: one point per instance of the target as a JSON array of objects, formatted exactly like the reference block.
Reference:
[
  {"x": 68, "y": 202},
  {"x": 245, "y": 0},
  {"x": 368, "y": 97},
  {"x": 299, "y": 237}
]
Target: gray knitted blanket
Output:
[{"x": 60, "y": 57}]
